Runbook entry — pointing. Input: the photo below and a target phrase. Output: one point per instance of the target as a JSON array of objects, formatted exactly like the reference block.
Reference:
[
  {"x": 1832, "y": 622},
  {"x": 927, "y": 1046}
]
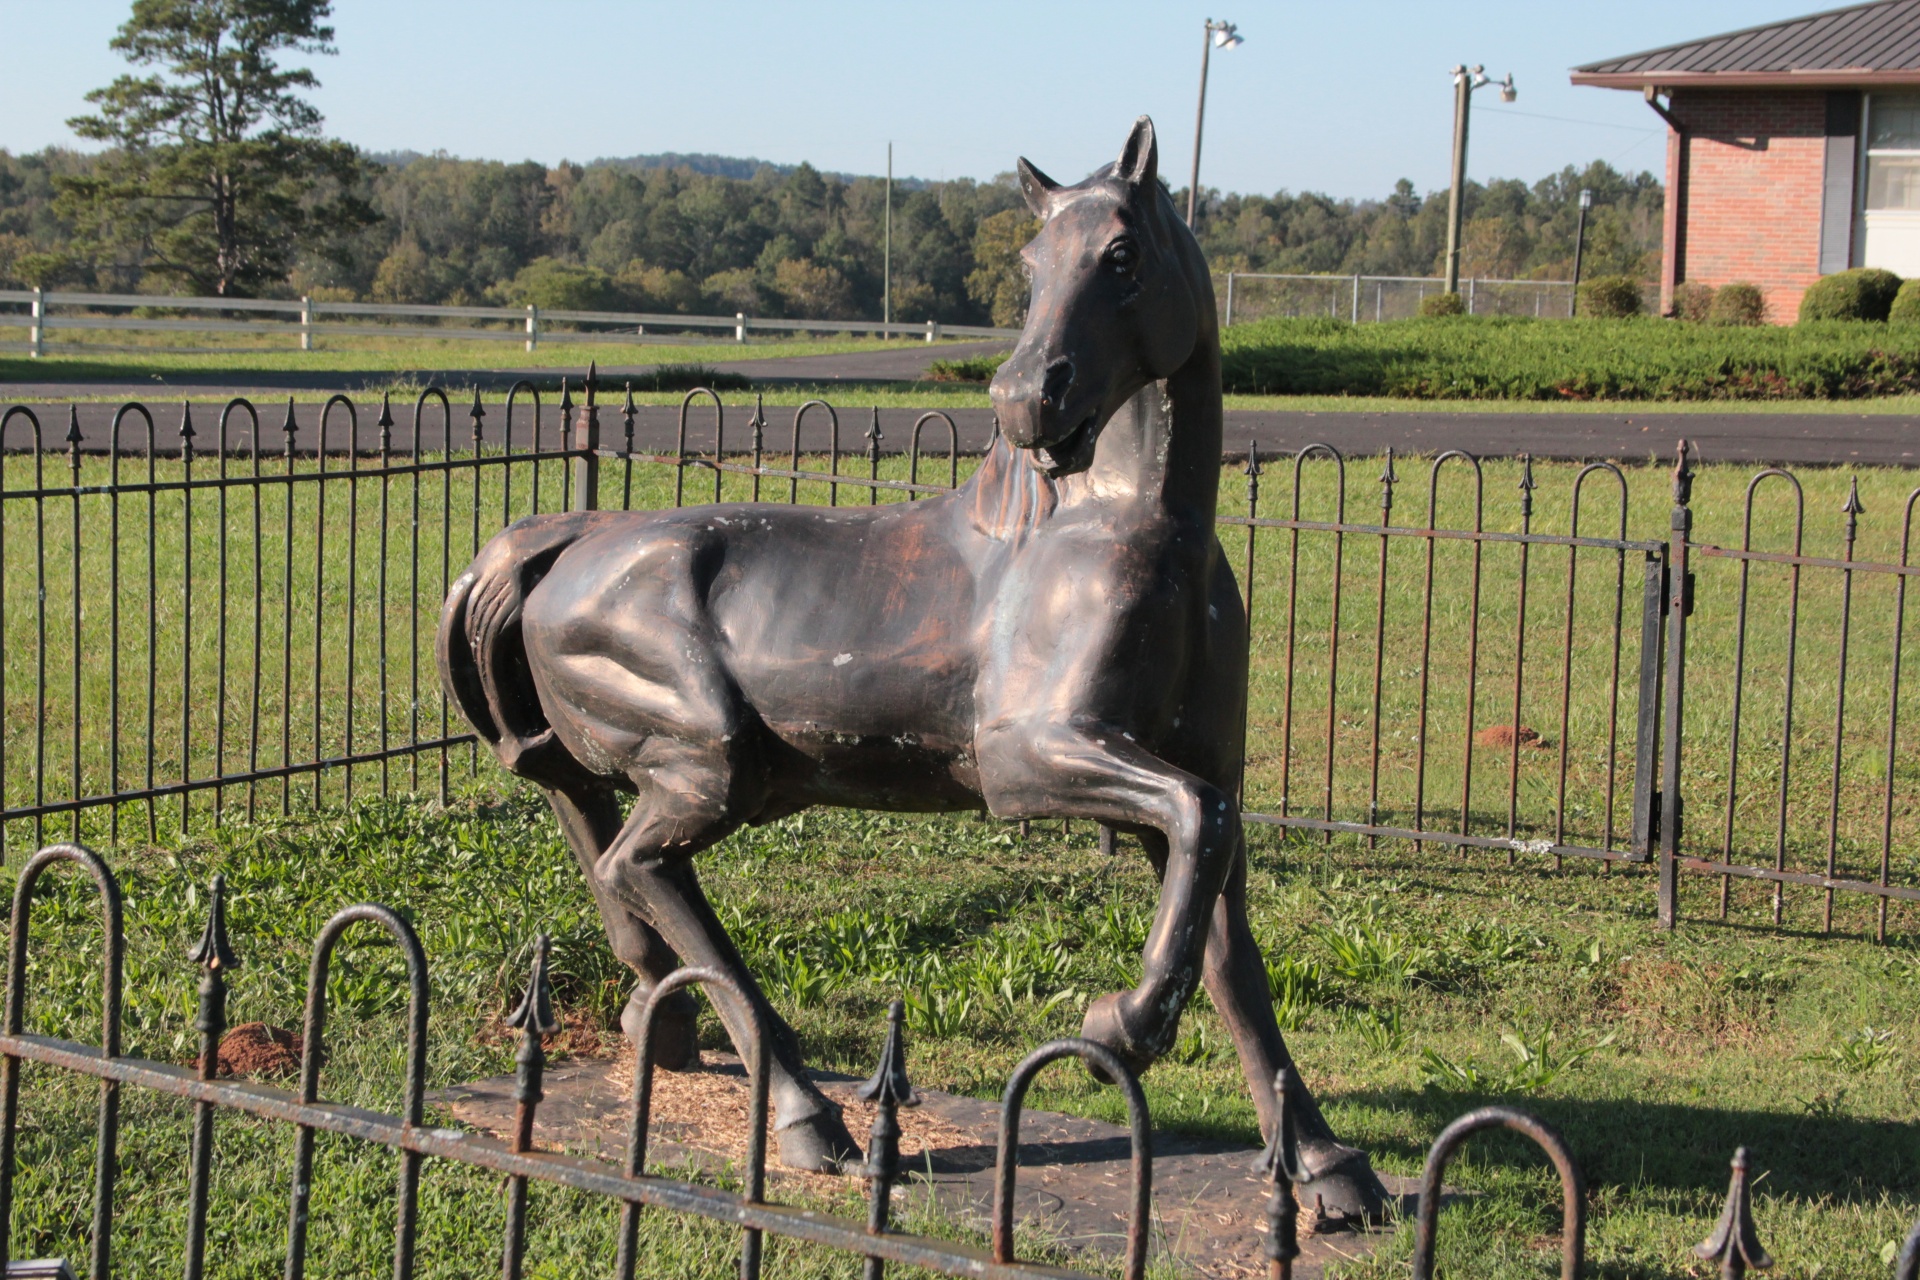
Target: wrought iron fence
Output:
[
  {"x": 1734, "y": 1243},
  {"x": 188, "y": 631},
  {"x": 1507, "y": 670}
]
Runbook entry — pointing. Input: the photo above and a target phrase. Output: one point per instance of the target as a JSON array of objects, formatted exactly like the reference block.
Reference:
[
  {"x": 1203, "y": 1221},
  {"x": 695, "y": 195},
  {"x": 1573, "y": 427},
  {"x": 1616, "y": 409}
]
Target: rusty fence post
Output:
[
  {"x": 586, "y": 441},
  {"x": 1679, "y": 605}
]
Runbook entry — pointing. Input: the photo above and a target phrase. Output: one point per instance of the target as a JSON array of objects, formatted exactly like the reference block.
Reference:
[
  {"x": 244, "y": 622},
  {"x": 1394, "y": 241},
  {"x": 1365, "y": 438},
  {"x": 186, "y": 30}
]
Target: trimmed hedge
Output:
[
  {"x": 1692, "y": 301},
  {"x": 1906, "y": 304},
  {"x": 1738, "y": 304},
  {"x": 1610, "y": 298},
  {"x": 1864, "y": 293},
  {"x": 1509, "y": 358},
  {"x": 1442, "y": 304}
]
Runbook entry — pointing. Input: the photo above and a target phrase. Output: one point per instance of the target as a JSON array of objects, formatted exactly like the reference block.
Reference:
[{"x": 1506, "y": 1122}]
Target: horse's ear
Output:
[
  {"x": 1037, "y": 187},
  {"x": 1139, "y": 161}
]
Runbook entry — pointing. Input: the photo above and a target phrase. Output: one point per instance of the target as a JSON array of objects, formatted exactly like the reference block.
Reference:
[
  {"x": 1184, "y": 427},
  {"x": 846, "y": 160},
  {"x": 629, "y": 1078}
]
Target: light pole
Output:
[
  {"x": 1465, "y": 81},
  {"x": 1227, "y": 36},
  {"x": 1580, "y": 247},
  {"x": 886, "y": 259}
]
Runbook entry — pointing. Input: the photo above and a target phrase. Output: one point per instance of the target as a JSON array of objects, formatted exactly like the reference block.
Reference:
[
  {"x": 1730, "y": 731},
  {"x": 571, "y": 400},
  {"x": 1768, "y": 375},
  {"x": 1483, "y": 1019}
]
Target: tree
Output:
[
  {"x": 218, "y": 175},
  {"x": 998, "y": 280}
]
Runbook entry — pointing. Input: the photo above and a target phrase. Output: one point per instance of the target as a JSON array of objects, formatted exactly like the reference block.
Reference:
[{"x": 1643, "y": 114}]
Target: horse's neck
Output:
[{"x": 1163, "y": 448}]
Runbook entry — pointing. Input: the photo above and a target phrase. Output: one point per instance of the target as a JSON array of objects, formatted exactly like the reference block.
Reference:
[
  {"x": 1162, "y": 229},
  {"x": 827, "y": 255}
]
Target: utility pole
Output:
[
  {"x": 1580, "y": 247},
  {"x": 886, "y": 263},
  {"x": 1227, "y": 36},
  {"x": 1465, "y": 81}
]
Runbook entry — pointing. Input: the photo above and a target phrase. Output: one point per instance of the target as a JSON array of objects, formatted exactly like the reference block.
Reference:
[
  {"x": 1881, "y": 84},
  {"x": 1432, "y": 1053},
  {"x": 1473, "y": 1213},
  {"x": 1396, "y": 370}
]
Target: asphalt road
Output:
[
  {"x": 1786, "y": 439},
  {"x": 1778, "y": 438}
]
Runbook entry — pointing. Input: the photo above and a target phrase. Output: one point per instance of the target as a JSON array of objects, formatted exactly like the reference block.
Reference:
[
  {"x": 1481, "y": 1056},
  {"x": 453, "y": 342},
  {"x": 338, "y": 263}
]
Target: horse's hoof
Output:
[
  {"x": 1109, "y": 1022},
  {"x": 676, "y": 1028},
  {"x": 818, "y": 1144},
  {"x": 1341, "y": 1189}
]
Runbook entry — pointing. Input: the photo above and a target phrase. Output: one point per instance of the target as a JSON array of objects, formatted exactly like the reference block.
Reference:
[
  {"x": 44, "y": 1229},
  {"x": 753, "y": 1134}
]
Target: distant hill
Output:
[{"x": 730, "y": 167}]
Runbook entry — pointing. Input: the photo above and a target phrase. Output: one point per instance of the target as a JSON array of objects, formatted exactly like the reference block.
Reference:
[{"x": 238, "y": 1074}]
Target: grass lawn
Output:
[
  {"x": 71, "y": 359},
  {"x": 1398, "y": 974},
  {"x": 1399, "y": 971}
]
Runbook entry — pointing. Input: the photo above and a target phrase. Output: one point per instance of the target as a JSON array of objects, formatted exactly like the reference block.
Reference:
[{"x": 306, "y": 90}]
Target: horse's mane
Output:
[{"x": 1010, "y": 498}]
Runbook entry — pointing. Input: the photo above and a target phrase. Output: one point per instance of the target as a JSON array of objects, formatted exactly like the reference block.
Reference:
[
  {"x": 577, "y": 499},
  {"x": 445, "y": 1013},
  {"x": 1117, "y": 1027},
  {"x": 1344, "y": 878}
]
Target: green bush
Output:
[
  {"x": 1906, "y": 304},
  {"x": 970, "y": 369},
  {"x": 1864, "y": 293},
  {"x": 1512, "y": 358},
  {"x": 1692, "y": 301},
  {"x": 1738, "y": 304},
  {"x": 685, "y": 377},
  {"x": 553, "y": 285},
  {"x": 1442, "y": 304},
  {"x": 1610, "y": 298}
]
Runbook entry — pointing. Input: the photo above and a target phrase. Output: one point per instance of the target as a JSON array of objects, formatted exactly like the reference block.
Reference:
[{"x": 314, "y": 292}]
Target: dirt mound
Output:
[
  {"x": 257, "y": 1049},
  {"x": 1501, "y": 737}
]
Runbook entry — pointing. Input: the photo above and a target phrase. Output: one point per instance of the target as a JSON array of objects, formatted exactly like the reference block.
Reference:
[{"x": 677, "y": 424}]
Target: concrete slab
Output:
[{"x": 1209, "y": 1206}]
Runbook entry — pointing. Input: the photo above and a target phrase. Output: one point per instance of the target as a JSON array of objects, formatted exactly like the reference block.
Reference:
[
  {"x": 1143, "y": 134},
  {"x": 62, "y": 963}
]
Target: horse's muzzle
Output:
[{"x": 1043, "y": 410}]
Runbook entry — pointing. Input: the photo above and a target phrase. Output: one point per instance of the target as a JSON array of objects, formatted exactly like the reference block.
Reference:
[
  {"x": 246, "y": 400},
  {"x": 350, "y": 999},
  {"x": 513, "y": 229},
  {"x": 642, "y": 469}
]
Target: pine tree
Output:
[{"x": 217, "y": 176}]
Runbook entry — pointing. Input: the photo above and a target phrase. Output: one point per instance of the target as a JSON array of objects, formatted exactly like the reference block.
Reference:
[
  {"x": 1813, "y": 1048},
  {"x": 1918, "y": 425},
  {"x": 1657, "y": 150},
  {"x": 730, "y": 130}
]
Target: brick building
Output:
[{"x": 1768, "y": 180}]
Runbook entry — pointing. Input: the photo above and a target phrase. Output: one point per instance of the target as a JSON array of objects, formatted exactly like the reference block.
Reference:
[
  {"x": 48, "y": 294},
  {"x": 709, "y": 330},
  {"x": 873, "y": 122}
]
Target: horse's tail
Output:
[{"x": 483, "y": 661}]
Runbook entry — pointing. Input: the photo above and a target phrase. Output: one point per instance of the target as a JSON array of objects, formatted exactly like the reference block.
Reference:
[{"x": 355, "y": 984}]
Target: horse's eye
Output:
[{"x": 1122, "y": 256}]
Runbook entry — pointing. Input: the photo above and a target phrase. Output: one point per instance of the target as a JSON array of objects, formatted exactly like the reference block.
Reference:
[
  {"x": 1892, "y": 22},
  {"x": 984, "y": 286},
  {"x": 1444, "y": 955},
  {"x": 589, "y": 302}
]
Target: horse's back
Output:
[{"x": 847, "y": 633}]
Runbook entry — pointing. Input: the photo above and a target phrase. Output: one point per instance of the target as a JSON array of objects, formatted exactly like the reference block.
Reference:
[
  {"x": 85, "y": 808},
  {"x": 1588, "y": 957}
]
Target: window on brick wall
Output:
[
  {"x": 1893, "y": 151},
  {"x": 1888, "y": 232}
]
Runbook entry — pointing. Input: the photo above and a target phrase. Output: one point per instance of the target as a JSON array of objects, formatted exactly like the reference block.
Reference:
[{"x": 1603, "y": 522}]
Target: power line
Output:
[{"x": 1598, "y": 124}]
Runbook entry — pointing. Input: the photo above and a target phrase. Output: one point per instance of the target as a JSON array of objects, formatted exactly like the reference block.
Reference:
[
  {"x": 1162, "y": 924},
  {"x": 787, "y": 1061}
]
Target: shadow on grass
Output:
[{"x": 1682, "y": 1148}]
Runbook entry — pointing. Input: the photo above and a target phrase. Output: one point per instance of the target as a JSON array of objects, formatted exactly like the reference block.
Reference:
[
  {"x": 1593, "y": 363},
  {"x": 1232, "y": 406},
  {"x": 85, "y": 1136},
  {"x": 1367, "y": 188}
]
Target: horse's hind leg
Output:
[
  {"x": 590, "y": 819},
  {"x": 687, "y": 806},
  {"x": 1236, "y": 979}
]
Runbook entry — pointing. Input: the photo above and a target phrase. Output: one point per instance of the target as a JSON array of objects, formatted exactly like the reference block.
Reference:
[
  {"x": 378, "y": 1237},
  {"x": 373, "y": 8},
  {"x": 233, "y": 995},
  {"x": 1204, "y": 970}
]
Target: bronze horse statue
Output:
[{"x": 1060, "y": 637}]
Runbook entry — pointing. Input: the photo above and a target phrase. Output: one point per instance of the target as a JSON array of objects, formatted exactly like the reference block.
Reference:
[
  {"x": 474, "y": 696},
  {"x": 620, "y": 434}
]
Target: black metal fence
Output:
[
  {"x": 192, "y": 634},
  {"x": 519, "y": 1160},
  {"x": 1734, "y": 1243}
]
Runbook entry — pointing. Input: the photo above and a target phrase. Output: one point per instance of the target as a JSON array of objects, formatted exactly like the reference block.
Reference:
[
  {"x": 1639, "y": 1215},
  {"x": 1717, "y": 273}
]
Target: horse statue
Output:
[{"x": 1060, "y": 637}]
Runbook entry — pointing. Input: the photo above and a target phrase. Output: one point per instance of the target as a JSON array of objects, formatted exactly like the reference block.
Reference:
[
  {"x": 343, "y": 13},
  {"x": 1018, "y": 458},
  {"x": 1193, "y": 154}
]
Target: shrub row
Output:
[{"x": 1506, "y": 358}]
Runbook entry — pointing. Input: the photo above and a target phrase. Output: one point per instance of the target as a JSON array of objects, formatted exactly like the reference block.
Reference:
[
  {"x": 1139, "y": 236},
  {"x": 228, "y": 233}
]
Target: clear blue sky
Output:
[{"x": 1323, "y": 96}]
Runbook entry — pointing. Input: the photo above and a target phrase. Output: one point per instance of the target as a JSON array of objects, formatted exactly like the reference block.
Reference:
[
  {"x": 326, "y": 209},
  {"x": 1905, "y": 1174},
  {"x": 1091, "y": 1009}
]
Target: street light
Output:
[
  {"x": 1580, "y": 247},
  {"x": 1227, "y": 36},
  {"x": 1465, "y": 81}
]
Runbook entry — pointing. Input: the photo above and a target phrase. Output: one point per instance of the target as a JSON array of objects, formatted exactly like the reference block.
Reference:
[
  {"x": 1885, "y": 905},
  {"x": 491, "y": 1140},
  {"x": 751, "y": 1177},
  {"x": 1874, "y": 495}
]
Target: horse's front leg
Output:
[{"x": 1092, "y": 770}]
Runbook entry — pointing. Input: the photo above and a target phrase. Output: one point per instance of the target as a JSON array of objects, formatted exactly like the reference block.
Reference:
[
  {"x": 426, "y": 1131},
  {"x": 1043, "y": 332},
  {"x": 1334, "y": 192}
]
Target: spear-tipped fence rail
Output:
[
  {"x": 415, "y": 1138},
  {"x": 247, "y": 621}
]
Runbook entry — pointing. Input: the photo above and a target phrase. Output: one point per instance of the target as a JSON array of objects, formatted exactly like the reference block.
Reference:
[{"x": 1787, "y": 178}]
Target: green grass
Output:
[
  {"x": 1503, "y": 358},
  {"x": 71, "y": 359},
  {"x": 1399, "y": 971},
  {"x": 1697, "y": 1041}
]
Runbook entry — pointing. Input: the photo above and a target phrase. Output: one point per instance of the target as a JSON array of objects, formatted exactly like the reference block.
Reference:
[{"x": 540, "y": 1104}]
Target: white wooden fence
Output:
[{"x": 306, "y": 321}]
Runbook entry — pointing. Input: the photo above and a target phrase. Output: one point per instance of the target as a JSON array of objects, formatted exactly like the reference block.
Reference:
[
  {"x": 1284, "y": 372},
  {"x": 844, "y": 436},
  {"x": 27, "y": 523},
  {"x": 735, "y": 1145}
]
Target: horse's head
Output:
[{"x": 1114, "y": 305}]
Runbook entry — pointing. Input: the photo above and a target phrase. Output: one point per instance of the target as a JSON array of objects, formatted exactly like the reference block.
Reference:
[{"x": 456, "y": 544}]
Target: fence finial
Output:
[
  {"x": 73, "y": 428},
  {"x": 477, "y": 412},
  {"x": 289, "y": 426},
  {"x": 212, "y": 951},
  {"x": 186, "y": 426},
  {"x": 889, "y": 1090},
  {"x": 385, "y": 422},
  {"x": 1282, "y": 1165},
  {"x": 1853, "y": 509},
  {"x": 593, "y": 379},
  {"x": 1388, "y": 478},
  {"x": 1735, "y": 1244},
  {"x": 1683, "y": 474}
]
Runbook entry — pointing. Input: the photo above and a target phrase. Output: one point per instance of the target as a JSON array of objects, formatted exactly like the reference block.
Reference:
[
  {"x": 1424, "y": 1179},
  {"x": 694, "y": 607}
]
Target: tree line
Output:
[{"x": 214, "y": 178}]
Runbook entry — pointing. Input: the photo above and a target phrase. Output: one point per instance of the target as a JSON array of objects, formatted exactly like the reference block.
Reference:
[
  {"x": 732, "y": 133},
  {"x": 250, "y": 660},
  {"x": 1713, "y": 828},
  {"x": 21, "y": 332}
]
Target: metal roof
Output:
[{"x": 1861, "y": 44}]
